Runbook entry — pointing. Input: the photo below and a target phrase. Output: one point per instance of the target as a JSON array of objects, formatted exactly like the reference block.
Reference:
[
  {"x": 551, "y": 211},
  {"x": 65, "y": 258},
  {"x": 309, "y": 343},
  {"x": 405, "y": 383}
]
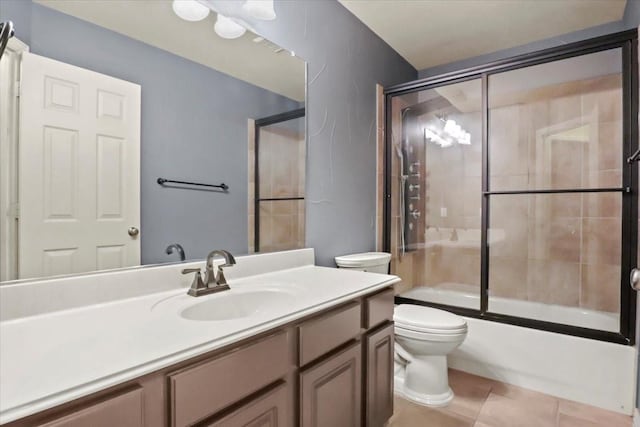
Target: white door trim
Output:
[{"x": 9, "y": 125}]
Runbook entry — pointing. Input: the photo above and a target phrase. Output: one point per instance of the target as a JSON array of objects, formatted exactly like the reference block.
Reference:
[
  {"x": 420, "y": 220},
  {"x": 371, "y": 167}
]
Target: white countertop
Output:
[{"x": 52, "y": 358}]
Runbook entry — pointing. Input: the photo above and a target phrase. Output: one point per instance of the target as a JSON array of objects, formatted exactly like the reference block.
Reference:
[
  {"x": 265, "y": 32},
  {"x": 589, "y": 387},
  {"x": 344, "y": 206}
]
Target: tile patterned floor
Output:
[{"x": 481, "y": 402}]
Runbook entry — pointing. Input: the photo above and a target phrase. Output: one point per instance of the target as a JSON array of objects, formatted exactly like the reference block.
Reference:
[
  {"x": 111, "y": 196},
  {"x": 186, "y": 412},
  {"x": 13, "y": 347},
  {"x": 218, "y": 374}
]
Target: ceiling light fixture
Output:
[
  {"x": 260, "y": 9},
  {"x": 227, "y": 28},
  {"x": 190, "y": 10}
]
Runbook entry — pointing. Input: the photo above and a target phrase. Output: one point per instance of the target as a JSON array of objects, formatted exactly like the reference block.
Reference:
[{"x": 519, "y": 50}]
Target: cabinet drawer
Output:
[
  {"x": 323, "y": 334},
  {"x": 202, "y": 390},
  {"x": 271, "y": 409},
  {"x": 331, "y": 392},
  {"x": 378, "y": 308},
  {"x": 123, "y": 410}
]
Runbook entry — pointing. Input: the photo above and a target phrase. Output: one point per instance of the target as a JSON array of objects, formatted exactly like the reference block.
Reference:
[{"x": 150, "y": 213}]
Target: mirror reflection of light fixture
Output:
[
  {"x": 227, "y": 28},
  {"x": 190, "y": 10},
  {"x": 451, "y": 132},
  {"x": 455, "y": 130},
  {"x": 260, "y": 9}
]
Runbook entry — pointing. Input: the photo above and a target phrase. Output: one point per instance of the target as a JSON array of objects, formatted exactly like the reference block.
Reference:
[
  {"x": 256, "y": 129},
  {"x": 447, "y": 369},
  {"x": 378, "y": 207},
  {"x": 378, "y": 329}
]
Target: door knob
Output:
[
  {"x": 634, "y": 279},
  {"x": 133, "y": 231}
]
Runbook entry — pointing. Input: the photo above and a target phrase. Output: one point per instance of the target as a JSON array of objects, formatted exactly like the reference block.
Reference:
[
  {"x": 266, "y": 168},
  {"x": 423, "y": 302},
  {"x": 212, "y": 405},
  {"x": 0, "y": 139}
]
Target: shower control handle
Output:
[
  {"x": 413, "y": 187},
  {"x": 415, "y": 214},
  {"x": 634, "y": 279}
]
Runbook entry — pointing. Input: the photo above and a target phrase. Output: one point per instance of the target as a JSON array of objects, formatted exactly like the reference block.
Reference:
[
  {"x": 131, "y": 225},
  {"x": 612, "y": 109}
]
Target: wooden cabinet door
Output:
[
  {"x": 379, "y": 376},
  {"x": 271, "y": 409},
  {"x": 331, "y": 391}
]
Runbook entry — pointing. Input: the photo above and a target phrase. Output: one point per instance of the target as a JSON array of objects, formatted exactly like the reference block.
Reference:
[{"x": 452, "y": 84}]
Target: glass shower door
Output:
[
  {"x": 556, "y": 191},
  {"x": 436, "y": 163},
  {"x": 509, "y": 196}
]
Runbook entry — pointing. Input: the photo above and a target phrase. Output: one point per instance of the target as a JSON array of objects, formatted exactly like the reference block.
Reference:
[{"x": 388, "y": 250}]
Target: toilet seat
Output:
[{"x": 427, "y": 320}]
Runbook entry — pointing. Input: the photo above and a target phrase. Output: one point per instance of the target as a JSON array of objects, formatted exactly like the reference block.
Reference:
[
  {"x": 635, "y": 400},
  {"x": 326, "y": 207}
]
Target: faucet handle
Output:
[
  {"x": 220, "y": 279},
  {"x": 197, "y": 285}
]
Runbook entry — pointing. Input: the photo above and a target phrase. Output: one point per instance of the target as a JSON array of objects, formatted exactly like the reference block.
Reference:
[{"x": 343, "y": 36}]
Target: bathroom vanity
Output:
[{"x": 303, "y": 345}]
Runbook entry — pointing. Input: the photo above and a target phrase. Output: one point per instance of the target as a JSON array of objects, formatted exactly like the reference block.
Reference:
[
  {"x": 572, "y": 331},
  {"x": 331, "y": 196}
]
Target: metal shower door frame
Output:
[{"x": 627, "y": 41}]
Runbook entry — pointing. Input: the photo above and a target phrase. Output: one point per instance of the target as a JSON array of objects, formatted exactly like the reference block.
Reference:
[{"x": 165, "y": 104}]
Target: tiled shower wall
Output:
[
  {"x": 557, "y": 249},
  {"x": 282, "y": 174}
]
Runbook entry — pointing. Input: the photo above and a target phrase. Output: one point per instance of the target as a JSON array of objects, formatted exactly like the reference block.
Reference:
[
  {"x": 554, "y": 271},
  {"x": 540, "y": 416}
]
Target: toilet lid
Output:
[
  {"x": 418, "y": 317},
  {"x": 367, "y": 259}
]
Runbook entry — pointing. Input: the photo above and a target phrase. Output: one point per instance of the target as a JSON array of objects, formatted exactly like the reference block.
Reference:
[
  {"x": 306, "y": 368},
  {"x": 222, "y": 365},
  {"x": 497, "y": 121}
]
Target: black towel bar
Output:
[{"x": 163, "y": 181}]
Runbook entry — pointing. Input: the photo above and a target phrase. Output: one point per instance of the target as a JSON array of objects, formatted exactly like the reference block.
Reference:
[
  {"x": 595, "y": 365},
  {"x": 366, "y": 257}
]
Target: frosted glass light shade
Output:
[
  {"x": 227, "y": 28},
  {"x": 190, "y": 10},
  {"x": 260, "y": 9}
]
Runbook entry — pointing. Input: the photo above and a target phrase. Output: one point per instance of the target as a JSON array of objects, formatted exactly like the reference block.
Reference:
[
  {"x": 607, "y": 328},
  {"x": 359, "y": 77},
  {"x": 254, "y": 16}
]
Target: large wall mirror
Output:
[{"x": 138, "y": 137}]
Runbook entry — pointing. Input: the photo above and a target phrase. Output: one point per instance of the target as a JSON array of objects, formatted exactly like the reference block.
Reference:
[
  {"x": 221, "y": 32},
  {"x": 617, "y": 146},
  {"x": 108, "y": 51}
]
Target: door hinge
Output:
[
  {"x": 14, "y": 211},
  {"x": 17, "y": 89}
]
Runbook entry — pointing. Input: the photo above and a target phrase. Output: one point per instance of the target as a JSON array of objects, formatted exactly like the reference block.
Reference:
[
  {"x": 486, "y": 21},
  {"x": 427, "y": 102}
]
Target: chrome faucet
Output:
[
  {"x": 178, "y": 247},
  {"x": 213, "y": 281}
]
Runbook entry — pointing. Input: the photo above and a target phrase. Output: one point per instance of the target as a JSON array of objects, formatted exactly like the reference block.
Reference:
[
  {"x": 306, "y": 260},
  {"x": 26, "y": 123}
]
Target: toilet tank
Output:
[{"x": 374, "y": 262}]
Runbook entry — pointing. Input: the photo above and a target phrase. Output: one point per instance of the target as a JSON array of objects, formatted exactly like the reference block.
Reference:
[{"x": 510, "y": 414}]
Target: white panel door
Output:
[{"x": 79, "y": 162}]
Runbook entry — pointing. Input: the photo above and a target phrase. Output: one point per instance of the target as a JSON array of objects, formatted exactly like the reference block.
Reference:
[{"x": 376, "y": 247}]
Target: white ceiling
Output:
[
  {"x": 433, "y": 32},
  {"x": 153, "y": 22}
]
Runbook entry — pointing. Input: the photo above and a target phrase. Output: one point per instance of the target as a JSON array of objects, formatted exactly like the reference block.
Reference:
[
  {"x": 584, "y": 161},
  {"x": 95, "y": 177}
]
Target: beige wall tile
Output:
[
  {"x": 604, "y": 205},
  {"x": 600, "y": 287},
  {"x": 564, "y": 166},
  {"x": 564, "y": 108},
  {"x": 564, "y": 205},
  {"x": 601, "y": 242},
  {"x": 605, "y": 154},
  {"x": 507, "y": 277},
  {"x": 404, "y": 268},
  {"x": 563, "y": 236},
  {"x": 553, "y": 282}
]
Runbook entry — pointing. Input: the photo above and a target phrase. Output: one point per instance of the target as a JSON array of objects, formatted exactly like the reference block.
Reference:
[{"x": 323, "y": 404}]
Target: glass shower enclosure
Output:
[{"x": 508, "y": 194}]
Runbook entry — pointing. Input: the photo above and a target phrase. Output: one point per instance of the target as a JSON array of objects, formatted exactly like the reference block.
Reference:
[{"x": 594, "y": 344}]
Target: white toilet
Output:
[{"x": 424, "y": 338}]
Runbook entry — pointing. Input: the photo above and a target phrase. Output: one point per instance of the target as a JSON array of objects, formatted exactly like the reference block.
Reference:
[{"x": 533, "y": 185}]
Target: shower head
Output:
[{"x": 6, "y": 32}]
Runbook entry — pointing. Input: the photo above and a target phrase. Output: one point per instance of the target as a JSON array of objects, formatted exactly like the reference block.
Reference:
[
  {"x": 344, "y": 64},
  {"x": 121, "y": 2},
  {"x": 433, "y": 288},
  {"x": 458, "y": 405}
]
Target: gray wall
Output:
[
  {"x": 345, "y": 61},
  {"x": 194, "y": 127}
]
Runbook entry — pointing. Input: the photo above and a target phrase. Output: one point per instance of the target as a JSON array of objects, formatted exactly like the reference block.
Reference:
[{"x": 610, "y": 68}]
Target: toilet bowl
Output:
[{"x": 424, "y": 338}]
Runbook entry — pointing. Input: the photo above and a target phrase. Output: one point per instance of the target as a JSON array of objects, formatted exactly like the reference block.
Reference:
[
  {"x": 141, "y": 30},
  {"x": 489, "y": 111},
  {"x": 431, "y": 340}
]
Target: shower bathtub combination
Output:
[{"x": 509, "y": 200}]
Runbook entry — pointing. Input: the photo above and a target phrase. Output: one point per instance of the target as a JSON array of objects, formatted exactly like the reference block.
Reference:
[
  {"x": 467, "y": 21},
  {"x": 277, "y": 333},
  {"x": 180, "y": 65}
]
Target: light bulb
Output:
[
  {"x": 450, "y": 126},
  {"x": 190, "y": 10},
  {"x": 227, "y": 28},
  {"x": 260, "y": 9}
]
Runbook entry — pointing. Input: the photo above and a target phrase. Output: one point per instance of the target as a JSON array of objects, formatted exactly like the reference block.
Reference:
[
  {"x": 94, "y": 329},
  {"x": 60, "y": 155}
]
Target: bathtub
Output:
[
  {"x": 594, "y": 372},
  {"x": 468, "y": 296}
]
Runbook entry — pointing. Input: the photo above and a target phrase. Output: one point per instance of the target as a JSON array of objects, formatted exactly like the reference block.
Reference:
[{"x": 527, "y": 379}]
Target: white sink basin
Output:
[{"x": 229, "y": 305}]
